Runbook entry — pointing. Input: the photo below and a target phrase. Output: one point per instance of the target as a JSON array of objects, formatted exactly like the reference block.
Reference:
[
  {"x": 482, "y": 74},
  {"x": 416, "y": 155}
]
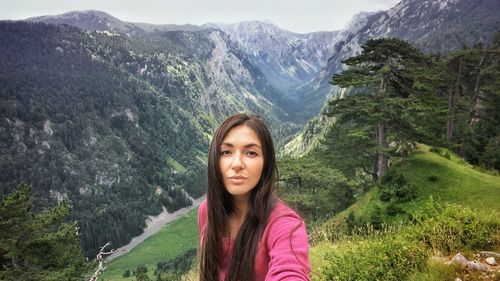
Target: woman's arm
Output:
[{"x": 288, "y": 247}]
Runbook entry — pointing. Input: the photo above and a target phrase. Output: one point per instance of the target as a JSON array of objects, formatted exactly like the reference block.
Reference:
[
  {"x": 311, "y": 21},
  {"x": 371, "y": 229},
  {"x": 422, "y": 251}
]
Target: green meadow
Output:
[{"x": 171, "y": 241}]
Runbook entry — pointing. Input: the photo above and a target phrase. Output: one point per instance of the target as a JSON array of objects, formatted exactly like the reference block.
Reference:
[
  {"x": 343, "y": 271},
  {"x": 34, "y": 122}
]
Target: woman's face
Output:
[{"x": 241, "y": 161}]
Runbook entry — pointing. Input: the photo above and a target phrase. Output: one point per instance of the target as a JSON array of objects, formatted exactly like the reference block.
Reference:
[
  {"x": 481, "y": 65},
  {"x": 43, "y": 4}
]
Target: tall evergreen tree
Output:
[{"x": 385, "y": 72}]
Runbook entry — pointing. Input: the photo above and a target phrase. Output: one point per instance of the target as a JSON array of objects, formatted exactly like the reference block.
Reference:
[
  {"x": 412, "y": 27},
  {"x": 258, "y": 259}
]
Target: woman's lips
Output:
[{"x": 237, "y": 179}]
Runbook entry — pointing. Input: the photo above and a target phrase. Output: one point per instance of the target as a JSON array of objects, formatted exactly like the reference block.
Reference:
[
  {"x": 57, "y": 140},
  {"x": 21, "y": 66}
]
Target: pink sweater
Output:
[{"x": 275, "y": 259}]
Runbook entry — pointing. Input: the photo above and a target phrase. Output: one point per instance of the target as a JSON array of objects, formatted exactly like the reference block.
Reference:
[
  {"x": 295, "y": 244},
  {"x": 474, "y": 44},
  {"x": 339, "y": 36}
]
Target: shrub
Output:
[
  {"x": 350, "y": 221},
  {"x": 432, "y": 178},
  {"x": 376, "y": 218},
  {"x": 448, "y": 228},
  {"x": 446, "y": 154},
  {"x": 396, "y": 187},
  {"x": 394, "y": 209},
  {"x": 441, "y": 152},
  {"x": 140, "y": 269},
  {"x": 385, "y": 194},
  {"x": 435, "y": 149},
  {"x": 393, "y": 177},
  {"x": 405, "y": 193}
]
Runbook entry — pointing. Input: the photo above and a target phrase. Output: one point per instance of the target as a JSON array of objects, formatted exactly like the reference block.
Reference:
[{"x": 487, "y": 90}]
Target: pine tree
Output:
[
  {"x": 384, "y": 74},
  {"x": 38, "y": 246}
]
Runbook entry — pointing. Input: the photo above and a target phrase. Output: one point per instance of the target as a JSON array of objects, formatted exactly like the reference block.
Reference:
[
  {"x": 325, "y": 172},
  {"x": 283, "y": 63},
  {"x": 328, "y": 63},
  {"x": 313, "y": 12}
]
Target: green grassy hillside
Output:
[
  {"x": 173, "y": 240},
  {"x": 432, "y": 175},
  {"x": 453, "y": 208},
  {"x": 457, "y": 182}
]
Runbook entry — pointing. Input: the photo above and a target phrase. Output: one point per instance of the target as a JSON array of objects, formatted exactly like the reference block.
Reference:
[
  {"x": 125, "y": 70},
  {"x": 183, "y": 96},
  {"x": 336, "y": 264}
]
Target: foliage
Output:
[
  {"x": 313, "y": 188},
  {"x": 397, "y": 97},
  {"x": 177, "y": 267},
  {"x": 38, "y": 246},
  {"x": 473, "y": 112},
  {"x": 396, "y": 254},
  {"x": 448, "y": 228},
  {"x": 140, "y": 273},
  {"x": 394, "y": 186},
  {"x": 385, "y": 73},
  {"x": 433, "y": 271}
]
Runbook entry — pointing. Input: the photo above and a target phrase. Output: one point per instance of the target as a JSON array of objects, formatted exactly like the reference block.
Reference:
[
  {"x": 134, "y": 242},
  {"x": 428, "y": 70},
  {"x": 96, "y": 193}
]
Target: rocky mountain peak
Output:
[
  {"x": 90, "y": 20},
  {"x": 286, "y": 58},
  {"x": 359, "y": 20}
]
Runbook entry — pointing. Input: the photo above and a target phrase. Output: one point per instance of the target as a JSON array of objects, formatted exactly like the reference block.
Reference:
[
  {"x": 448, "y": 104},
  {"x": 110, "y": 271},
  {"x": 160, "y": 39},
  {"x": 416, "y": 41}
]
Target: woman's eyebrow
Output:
[{"x": 247, "y": 145}]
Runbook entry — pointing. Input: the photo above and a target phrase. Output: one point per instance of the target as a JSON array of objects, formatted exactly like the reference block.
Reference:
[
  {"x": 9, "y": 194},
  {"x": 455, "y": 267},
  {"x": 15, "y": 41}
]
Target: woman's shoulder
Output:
[
  {"x": 283, "y": 220},
  {"x": 282, "y": 211},
  {"x": 286, "y": 243}
]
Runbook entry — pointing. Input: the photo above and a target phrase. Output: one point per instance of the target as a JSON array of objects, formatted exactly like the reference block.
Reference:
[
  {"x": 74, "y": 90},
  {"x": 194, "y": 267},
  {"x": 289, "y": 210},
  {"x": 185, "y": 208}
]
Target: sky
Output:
[{"x": 299, "y": 16}]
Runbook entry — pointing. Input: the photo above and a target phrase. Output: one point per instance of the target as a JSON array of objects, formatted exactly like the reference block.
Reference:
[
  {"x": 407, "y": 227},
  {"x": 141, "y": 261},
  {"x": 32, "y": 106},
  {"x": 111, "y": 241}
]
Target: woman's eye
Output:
[
  {"x": 252, "y": 153},
  {"x": 225, "y": 152}
]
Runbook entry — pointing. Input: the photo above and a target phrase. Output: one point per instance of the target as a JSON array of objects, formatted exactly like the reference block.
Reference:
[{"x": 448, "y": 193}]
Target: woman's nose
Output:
[{"x": 237, "y": 161}]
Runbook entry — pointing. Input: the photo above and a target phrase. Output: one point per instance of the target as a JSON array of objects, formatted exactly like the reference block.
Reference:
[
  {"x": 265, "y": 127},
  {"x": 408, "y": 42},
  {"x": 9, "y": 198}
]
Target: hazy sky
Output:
[{"x": 294, "y": 15}]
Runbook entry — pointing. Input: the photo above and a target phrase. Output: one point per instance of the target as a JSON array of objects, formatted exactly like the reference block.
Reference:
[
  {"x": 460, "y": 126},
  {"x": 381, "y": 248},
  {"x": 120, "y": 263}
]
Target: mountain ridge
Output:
[{"x": 119, "y": 124}]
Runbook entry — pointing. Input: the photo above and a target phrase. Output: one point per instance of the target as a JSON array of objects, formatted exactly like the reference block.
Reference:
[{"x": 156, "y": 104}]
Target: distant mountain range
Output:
[{"x": 287, "y": 59}]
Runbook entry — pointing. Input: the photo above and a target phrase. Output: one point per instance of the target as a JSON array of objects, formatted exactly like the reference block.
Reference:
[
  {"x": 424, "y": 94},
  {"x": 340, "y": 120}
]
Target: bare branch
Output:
[{"x": 100, "y": 258}]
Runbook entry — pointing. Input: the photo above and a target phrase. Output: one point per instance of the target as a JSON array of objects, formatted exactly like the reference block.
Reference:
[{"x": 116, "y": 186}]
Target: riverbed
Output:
[{"x": 154, "y": 224}]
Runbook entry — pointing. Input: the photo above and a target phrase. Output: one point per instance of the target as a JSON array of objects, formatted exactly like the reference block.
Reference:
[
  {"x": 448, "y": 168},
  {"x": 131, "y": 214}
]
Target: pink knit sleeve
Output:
[{"x": 288, "y": 250}]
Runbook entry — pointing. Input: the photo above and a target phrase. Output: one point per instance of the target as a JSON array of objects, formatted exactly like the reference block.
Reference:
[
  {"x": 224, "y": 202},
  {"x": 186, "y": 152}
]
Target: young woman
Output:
[{"x": 246, "y": 232}]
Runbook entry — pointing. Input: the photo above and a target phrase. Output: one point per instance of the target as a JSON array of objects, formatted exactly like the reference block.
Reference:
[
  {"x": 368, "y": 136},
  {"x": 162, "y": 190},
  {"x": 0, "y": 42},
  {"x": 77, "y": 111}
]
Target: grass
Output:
[
  {"x": 402, "y": 253},
  {"x": 457, "y": 182},
  {"x": 475, "y": 197},
  {"x": 171, "y": 241},
  {"x": 435, "y": 271}
]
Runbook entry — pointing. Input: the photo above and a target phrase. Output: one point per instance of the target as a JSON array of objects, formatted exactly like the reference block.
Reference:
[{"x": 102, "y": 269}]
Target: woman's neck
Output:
[
  {"x": 237, "y": 218},
  {"x": 240, "y": 208}
]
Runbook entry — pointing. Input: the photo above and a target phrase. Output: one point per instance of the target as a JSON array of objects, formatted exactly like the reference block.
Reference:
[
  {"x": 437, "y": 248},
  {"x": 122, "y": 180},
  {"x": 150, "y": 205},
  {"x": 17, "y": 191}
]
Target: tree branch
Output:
[{"x": 101, "y": 260}]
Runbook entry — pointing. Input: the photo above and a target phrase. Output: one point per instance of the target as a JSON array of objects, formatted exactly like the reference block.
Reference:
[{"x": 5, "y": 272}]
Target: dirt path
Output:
[{"x": 154, "y": 224}]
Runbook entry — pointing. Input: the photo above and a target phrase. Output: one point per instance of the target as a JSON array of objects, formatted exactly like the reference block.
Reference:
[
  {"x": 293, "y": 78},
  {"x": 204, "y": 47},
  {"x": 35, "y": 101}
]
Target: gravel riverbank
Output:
[{"x": 154, "y": 224}]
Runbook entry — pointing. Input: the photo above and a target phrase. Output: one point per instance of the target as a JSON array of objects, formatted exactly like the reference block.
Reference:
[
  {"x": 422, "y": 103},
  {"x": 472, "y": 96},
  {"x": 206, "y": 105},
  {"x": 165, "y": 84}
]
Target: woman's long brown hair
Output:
[{"x": 220, "y": 206}]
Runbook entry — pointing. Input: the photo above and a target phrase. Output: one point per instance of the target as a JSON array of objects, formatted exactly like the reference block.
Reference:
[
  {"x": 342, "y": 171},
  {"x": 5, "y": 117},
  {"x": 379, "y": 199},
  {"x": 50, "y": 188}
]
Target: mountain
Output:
[
  {"x": 287, "y": 59},
  {"x": 90, "y": 20},
  {"x": 433, "y": 26},
  {"x": 119, "y": 124},
  {"x": 148, "y": 27},
  {"x": 101, "y": 21}
]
